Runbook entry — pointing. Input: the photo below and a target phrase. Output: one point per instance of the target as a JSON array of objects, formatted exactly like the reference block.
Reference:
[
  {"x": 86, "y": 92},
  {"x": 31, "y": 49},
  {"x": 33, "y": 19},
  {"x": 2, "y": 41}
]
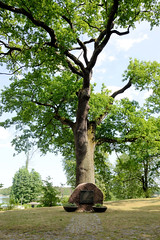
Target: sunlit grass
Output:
[
  {"x": 135, "y": 219},
  {"x": 132, "y": 219},
  {"x": 34, "y": 221}
]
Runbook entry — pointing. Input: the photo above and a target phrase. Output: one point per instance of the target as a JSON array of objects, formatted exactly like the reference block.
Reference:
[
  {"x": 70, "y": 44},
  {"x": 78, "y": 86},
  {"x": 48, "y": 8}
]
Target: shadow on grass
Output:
[
  {"x": 135, "y": 219},
  {"x": 138, "y": 223},
  {"x": 148, "y": 208},
  {"x": 133, "y": 201}
]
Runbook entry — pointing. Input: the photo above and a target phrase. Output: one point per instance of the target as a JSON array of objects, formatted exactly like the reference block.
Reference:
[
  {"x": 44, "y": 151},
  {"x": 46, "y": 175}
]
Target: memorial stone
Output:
[{"x": 85, "y": 196}]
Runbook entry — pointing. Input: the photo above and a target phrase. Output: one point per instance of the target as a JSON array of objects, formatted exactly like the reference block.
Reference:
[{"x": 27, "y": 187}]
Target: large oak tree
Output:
[{"x": 51, "y": 93}]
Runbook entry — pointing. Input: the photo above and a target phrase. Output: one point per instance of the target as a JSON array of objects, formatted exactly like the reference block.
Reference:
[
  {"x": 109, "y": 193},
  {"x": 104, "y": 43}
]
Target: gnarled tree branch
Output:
[
  {"x": 82, "y": 45},
  {"x": 38, "y": 23},
  {"x": 56, "y": 116},
  {"x": 75, "y": 60},
  {"x": 121, "y": 33},
  {"x": 120, "y": 91},
  {"x": 73, "y": 68},
  {"x": 104, "y": 36},
  {"x": 9, "y": 47}
]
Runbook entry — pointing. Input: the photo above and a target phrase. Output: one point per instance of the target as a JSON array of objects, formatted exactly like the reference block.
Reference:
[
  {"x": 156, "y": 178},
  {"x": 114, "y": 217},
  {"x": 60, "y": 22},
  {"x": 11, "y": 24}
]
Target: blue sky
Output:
[{"x": 141, "y": 43}]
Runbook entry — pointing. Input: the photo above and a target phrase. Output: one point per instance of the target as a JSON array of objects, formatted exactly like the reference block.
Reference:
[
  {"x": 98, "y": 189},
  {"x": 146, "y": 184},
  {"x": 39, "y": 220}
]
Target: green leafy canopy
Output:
[{"x": 44, "y": 46}]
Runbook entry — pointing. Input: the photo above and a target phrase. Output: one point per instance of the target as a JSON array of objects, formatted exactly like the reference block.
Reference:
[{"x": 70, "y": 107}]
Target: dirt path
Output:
[{"x": 82, "y": 226}]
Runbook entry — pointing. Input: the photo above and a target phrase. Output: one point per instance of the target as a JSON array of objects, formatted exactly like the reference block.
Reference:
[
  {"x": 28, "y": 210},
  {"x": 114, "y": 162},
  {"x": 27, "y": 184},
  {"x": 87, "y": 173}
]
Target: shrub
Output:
[{"x": 49, "y": 197}]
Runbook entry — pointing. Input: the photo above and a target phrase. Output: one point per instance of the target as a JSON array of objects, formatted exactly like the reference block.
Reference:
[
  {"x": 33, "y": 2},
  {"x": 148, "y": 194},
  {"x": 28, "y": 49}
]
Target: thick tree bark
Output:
[
  {"x": 84, "y": 137},
  {"x": 85, "y": 147}
]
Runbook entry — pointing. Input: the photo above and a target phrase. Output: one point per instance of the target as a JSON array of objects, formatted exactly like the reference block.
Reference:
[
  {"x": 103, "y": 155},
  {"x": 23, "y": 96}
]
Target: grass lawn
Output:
[{"x": 134, "y": 219}]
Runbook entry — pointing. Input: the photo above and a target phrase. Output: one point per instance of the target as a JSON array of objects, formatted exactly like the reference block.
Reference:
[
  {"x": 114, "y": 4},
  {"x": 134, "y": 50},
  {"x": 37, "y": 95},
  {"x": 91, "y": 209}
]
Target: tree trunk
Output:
[
  {"x": 145, "y": 180},
  {"x": 85, "y": 158},
  {"x": 84, "y": 138}
]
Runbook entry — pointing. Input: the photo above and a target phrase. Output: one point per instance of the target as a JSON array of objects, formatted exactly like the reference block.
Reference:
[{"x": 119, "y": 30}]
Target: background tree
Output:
[
  {"x": 69, "y": 166},
  {"x": 26, "y": 187},
  {"x": 49, "y": 197},
  {"x": 35, "y": 184},
  {"x": 137, "y": 172},
  {"x": 146, "y": 156},
  {"x": 53, "y": 102},
  {"x": 103, "y": 173},
  {"x": 126, "y": 182}
]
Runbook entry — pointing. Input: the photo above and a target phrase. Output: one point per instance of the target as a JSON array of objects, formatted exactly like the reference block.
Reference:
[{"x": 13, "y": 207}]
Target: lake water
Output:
[{"x": 4, "y": 199}]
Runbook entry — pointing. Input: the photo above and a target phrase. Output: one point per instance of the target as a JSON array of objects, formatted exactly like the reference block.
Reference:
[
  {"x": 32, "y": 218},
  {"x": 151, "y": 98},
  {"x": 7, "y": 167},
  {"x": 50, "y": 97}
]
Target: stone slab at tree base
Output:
[{"x": 85, "y": 196}]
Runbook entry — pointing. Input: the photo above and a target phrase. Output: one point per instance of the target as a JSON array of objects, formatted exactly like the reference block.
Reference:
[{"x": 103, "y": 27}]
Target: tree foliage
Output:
[
  {"x": 103, "y": 173},
  {"x": 126, "y": 181},
  {"x": 51, "y": 96},
  {"x": 26, "y": 186},
  {"x": 137, "y": 174},
  {"x": 49, "y": 194}
]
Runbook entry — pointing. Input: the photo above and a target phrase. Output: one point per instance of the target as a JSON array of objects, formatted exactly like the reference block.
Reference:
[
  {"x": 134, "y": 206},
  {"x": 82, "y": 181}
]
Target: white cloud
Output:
[
  {"x": 111, "y": 58},
  {"x": 19, "y": 77},
  {"x": 100, "y": 70},
  {"x": 4, "y": 139},
  {"x": 148, "y": 93},
  {"x": 4, "y": 134},
  {"x": 126, "y": 43},
  {"x": 6, "y": 145},
  {"x": 101, "y": 58}
]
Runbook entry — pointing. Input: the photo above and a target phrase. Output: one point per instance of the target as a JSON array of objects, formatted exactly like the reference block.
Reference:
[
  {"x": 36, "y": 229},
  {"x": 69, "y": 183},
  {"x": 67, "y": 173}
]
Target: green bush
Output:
[
  {"x": 49, "y": 197},
  {"x": 64, "y": 200},
  {"x": 26, "y": 186}
]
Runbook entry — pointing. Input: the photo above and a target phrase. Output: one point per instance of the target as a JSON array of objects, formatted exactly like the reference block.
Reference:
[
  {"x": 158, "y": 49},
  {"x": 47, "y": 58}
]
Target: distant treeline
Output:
[
  {"x": 5, "y": 191},
  {"x": 65, "y": 191}
]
